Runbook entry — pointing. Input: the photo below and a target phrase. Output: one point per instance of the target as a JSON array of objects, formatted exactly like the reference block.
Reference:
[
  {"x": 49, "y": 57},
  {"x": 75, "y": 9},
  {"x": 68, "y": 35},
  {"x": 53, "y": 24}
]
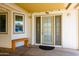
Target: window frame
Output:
[{"x": 19, "y": 14}]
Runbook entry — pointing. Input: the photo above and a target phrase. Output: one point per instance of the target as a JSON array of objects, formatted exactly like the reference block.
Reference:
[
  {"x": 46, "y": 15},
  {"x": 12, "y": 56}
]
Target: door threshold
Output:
[{"x": 58, "y": 46}]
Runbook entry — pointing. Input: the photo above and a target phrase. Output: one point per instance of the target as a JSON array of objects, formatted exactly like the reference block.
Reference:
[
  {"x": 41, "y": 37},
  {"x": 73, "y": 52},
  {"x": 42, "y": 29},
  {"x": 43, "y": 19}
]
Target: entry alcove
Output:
[{"x": 47, "y": 31}]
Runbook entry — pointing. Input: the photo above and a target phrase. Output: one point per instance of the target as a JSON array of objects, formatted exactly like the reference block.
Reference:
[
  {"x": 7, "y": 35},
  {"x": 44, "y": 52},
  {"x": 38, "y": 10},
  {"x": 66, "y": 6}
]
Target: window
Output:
[
  {"x": 3, "y": 22},
  {"x": 18, "y": 23}
]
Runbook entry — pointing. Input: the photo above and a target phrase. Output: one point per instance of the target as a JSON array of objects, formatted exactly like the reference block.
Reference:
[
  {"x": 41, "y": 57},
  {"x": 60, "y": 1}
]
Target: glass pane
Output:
[
  {"x": 46, "y": 31},
  {"x": 38, "y": 31},
  {"x": 19, "y": 23},
  {"x": 58, "y": 30},
  {"x": 2, "y": 23}
]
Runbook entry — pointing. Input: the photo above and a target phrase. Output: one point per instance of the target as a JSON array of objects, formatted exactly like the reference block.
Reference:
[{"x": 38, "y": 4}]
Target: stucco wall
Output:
[{"x": 70, "y": 29}]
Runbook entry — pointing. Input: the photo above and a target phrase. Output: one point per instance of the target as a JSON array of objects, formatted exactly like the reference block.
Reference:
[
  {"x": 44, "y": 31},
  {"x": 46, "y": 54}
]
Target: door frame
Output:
[{"x": 34, "y": 30}]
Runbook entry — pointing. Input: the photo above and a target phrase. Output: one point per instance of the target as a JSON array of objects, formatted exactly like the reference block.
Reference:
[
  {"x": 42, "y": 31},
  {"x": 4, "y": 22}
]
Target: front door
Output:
[{"x": 48, "y": 30}]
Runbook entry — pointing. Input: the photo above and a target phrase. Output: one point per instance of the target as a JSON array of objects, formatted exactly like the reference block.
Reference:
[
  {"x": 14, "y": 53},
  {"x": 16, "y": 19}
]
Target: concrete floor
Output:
[{"x": 36, "y": 51}]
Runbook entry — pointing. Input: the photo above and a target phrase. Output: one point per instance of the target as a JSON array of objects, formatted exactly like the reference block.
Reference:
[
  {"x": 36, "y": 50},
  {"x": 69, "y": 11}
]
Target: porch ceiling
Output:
[{"x": 41, "y": 7}]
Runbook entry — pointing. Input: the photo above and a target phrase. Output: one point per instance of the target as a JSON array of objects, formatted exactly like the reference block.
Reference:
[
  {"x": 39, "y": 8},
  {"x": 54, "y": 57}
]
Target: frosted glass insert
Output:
[
  {"x": 58, "y": 30},
  {"x": 38, "y": 31},
  {"x": 46, "y": 31}
]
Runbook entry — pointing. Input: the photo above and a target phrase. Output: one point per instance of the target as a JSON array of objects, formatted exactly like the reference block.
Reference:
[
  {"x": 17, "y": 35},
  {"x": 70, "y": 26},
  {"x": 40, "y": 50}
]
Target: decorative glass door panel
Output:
[
  {"x": 58, "y": 30},
  {"x": 46, "y": 30},
  {"x": 38, "y": 30}
]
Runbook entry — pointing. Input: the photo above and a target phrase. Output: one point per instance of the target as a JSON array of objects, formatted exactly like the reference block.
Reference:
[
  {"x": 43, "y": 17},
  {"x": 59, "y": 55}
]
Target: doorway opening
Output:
[{"x": 47, "y": 30}]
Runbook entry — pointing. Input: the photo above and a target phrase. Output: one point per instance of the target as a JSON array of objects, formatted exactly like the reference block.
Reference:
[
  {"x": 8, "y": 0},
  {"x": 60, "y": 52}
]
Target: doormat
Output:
[{"x": 46, "y": 47}]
